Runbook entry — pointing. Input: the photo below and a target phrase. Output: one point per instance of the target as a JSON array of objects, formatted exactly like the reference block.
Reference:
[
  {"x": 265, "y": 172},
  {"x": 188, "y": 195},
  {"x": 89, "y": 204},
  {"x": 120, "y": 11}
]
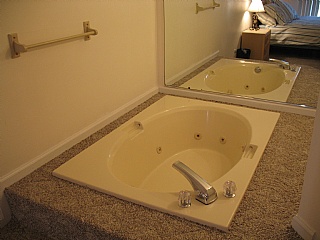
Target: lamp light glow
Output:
[{"x": 255, "y": 6}]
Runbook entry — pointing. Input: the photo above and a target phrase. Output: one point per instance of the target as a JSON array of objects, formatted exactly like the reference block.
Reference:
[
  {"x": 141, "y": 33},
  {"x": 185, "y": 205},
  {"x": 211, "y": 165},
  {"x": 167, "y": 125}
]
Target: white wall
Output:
[
  {"x": 237, "y": 19},
  {"x": 191, "y": 39},
  {"x": 307, "y": 221},
  {"x": 54, "y": 96}
]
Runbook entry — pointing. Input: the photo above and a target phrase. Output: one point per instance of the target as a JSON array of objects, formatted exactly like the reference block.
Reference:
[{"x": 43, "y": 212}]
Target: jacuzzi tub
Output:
[
  {"x": 239, "y": 77},
  {"x": 134, "y": 162}
]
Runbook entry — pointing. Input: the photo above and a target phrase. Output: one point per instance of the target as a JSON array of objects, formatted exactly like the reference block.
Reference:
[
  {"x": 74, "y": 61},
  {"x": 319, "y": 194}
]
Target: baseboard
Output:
[
  {"x": 302, "y": 228},
  {"x": 190, "y": 69},
  {"x": 64, "y": 145}
]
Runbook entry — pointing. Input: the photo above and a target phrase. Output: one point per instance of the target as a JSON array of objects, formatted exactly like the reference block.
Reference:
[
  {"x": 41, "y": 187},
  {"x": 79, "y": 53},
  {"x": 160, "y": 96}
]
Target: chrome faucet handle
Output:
[
  {"x": 208, "y": 197},
  {"x": 205, "y": 193}
]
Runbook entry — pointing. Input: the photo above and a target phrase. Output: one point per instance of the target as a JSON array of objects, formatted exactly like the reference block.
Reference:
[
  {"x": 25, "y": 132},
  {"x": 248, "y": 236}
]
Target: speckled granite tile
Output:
[{"x": 63, "y": 210}]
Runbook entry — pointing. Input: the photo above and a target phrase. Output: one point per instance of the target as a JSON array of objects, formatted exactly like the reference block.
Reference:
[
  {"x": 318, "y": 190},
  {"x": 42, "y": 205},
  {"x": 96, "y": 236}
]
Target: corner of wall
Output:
[
  {"x": 160, "y": 42},
  {"x": 303, "y": 229},
  {"x": 5, "y": 213}
]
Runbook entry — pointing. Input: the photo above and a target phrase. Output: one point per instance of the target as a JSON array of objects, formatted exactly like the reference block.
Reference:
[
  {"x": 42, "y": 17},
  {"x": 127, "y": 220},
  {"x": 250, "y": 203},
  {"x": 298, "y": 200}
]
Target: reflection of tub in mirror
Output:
[
  {"x": 219, "y": 142},
  {"x": 254, "y": 79},
  {"x": 187, "y": 41}
]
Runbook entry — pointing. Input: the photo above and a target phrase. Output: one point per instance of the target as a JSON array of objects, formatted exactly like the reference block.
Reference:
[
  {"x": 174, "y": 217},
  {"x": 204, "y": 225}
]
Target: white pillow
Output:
[
  {"x": 274, "y": 11},
  {"x": 265, "y": 19}
]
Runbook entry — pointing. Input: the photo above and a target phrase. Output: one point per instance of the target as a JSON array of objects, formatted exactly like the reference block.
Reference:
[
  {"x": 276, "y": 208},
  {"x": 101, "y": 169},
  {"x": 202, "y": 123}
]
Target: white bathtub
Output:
[
  {"x": 219, "y": 142},
  {"x": 240, "y": 78}
]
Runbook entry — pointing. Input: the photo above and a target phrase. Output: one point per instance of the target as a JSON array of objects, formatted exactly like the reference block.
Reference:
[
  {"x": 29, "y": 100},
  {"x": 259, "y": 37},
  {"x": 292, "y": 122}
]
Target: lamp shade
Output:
[{"x": 256, "y": 6}]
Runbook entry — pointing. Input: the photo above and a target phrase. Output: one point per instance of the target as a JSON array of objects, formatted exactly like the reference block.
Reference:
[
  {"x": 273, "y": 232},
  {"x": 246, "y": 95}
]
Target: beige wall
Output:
[
  {"x": 51, "y": 95},
  {"x": 192, "y": 38},
  {"x": 189, "y": 37}
]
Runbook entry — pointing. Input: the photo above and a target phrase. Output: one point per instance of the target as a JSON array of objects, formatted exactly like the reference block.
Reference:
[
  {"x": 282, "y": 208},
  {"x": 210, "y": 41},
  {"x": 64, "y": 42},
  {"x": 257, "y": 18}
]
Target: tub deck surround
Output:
[
  {"x": 63, "y": 210},
  {"x": 252, "y": 79},
  {"x": 134, "y": 162}
]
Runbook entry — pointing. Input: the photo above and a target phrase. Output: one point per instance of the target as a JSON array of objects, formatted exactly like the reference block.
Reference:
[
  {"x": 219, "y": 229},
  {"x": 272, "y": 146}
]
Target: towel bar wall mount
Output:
[
  {"x": 214, "y": 5},
  {"x": 17, "y": 48}
]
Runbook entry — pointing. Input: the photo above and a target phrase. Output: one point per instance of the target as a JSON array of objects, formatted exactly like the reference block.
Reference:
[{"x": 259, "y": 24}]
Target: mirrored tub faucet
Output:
[
  {"x": 205, "y": 193},
  {"x": 283, "y": 64}
]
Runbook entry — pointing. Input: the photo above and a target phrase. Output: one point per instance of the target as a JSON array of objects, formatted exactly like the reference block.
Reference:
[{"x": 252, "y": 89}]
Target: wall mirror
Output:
[{"x": 194, "y": 41}]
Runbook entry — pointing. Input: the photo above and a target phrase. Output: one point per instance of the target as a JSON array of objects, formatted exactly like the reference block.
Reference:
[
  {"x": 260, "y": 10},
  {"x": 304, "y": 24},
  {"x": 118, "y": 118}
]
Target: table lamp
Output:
[{"x": 255, "y": 6}]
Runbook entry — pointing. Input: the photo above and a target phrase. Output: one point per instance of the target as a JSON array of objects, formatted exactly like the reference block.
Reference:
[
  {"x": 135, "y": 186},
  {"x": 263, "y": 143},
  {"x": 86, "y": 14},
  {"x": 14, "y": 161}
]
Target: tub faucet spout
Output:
[
  {"x": 205, "y": 193},
  {"x": 283, "y": 64}
]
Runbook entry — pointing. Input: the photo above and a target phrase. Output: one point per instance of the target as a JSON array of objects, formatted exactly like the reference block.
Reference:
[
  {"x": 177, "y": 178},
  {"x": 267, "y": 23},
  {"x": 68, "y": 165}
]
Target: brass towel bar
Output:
[
  {"x": 199, "y": 9},
  {"x": 17, "y": 48}
]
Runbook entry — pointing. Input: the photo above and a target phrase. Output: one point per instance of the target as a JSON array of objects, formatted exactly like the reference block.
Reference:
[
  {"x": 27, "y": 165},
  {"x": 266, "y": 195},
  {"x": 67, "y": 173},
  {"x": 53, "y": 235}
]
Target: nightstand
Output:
[{"x": 258, "y": 41}]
